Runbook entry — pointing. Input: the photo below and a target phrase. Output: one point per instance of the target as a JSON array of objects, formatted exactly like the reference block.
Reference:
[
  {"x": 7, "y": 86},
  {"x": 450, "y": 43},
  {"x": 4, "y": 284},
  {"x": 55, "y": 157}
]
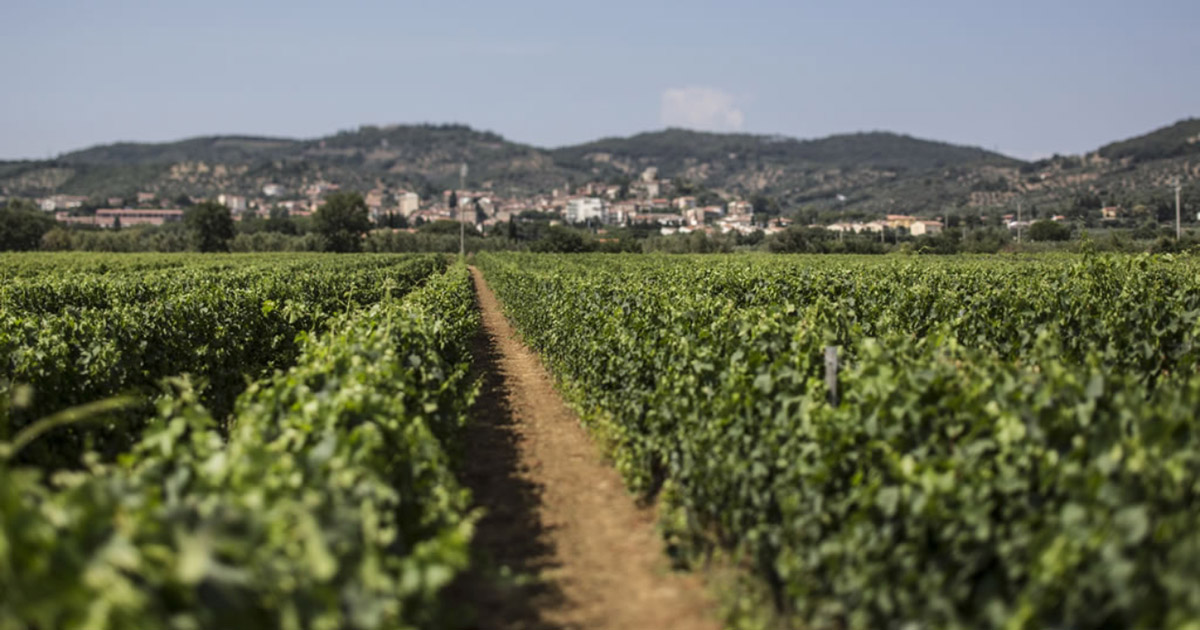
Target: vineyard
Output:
[
  {"x": 1014, "y": 444},
  {"x": 202, "y": 441},
  {"x": 300, "y": 476}
]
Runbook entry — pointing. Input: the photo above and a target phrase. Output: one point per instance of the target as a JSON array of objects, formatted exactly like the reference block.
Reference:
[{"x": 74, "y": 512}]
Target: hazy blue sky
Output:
[{"x": 1026, "y": 78}]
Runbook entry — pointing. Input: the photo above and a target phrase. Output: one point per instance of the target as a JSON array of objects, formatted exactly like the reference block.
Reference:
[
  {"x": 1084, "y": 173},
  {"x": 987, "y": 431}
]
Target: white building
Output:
[
  {"x": 582, "y": 209},
  {"x": 409, "y": 202},
  {"x": 236, "y": 203},
  {"x": 60, "y": 202},
  {"x": 920, "y": 228},
  {"x": 272, "y": 190},
  {"x": 740, "y": 208}
]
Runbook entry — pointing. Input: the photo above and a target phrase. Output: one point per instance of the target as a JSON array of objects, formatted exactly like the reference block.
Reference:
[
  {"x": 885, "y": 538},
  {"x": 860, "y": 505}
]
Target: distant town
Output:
[{"x": 648, "y": 201}]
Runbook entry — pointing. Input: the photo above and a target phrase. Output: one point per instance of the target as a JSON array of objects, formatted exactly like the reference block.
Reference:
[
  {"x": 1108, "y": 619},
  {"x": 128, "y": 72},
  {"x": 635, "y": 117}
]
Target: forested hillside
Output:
[{"x": 859, "y": 173}]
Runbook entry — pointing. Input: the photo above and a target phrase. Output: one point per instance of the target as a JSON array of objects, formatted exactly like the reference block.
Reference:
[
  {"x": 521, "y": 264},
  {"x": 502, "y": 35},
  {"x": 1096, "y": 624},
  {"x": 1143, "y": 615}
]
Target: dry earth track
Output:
[{"x": 557, "y": 510}]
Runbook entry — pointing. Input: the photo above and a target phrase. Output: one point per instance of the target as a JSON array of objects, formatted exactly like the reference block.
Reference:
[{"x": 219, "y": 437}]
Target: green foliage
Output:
[
  {"x": 279, "y": 221},
  {"x": 1014, "y": 446},
  {"x": 443, "y": 226},
  {"x": 71, "y": 337},
  {"x": 331, "y": 503},
  {"x": 342, "y": 222},
  {"x": 1047, "y": 230},
  {"x": 803, "y": 240},
  {"x": 210, "y": 225},
  {"x": 170, "y": 237},
  {"x": 22, "y": 226},
  {"x": 561, "y": 240}
]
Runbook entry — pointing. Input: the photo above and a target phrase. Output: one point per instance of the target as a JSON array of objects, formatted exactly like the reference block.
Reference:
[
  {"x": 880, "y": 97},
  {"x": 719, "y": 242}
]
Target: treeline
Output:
[{"x": 342, "y": 224}]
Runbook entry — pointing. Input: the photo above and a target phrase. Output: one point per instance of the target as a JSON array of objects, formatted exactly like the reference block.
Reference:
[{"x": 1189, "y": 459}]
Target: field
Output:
[
  {"x": 268, "y": 441},
  {"x": 320, "y": 495}
]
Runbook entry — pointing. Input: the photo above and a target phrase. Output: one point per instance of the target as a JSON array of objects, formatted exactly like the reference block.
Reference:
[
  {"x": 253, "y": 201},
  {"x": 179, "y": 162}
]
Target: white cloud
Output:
[{"x": 704, "y": 108}]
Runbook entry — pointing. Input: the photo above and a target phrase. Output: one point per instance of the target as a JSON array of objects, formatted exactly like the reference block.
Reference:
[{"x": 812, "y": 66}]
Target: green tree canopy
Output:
[
  {"x": 22, "y": 225},
  {"x": 342, "y": 221},
  {"x": 210, "y": 226},
  {"x": 1047, "y": 230},
  {"x": 280, "y": 220},
  {"x": 560, "y": 240}
]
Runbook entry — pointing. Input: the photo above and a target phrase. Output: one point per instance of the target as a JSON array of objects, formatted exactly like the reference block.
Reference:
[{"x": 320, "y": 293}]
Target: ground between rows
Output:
[{"x": 563, "y": 544}]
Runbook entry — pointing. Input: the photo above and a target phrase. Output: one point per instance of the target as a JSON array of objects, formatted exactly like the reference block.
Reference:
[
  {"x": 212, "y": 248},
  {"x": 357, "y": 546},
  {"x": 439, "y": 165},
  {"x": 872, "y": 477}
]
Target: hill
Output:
[
  {"x": 677, "y": 149},
  {"x": 796, "y": 171},
  {"x": 853, "y": 174},
  {"x": 1178, "y": 140},
  {"x": 216, "y": 149}
]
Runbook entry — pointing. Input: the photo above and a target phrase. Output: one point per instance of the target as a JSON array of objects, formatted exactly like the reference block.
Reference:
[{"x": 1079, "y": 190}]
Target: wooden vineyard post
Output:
[{"x": 831, "y": 373}]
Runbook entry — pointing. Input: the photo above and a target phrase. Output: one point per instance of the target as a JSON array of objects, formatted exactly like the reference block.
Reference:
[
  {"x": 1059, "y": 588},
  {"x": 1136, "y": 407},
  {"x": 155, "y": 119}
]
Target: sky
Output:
[{"x": 1028, "y": 79}]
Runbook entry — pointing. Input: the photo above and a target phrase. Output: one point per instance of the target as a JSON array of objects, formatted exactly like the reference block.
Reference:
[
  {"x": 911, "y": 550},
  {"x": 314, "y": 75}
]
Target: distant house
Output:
[
  {"x": 61, "y": 202},
  {"x": 920, "y": 228},
  {"x": 684, "y": 203},
  {"x": 701, "y": 216},
  {"x": 408, "y": 201},
  {"x": 580, "y": 209},
  {"x": 235, "y": 203},
  {"x": 108, "y": 217},
  {"x": 623, "y": 211},
  {"x": 1111, "y": 212},
  {"x": 661, "y": 218},
  {"x": 737, "y": 208}
]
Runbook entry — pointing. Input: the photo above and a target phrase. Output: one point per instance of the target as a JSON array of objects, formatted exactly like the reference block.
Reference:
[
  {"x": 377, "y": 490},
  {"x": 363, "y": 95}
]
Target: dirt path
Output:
[{"x": 557, "y": 510}]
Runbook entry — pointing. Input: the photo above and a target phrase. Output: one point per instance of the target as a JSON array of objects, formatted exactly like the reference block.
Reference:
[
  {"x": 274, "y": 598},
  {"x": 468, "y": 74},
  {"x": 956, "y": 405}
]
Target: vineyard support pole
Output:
[{"x": 831, "y": 373}]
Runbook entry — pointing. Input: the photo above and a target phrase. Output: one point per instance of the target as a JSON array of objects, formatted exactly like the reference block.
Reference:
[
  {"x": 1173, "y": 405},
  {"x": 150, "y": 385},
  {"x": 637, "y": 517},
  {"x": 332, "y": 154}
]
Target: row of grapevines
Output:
[
  {"x": 331, "y": 503},
  {"x": 124, "y": 333},
  {"x": 1139, "y": 312},
  {"x": 35, "y": 264},
  {"x": 329, "y": 283},
  {"x": 971, "y": 475}
]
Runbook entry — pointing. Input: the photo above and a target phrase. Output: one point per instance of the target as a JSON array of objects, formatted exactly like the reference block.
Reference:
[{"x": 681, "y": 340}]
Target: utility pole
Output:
[
  {"x": 1018, "y": 222},
  {"x": 462, "y": 231},
  {"x": 1178, "y": 217}
]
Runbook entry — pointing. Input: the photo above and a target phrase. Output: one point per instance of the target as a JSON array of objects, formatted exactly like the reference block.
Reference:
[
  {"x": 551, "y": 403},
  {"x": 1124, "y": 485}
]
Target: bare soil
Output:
[{"x": 563, "y": 544}]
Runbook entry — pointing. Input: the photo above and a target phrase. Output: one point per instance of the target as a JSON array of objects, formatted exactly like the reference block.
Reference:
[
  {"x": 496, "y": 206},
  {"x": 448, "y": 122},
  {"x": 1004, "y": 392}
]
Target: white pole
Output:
[
  {"x": 1178, "y": 217},
  {"x": 462, "y": 234}
]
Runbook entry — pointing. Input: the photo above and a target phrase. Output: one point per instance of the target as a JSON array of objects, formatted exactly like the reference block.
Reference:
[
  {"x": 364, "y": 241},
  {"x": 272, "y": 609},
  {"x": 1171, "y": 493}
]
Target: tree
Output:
[
  {"x": 560, "y": 240},
  {"x": 280, "y": 221},
  {"x": 342, "y": 221},
  {"x": 764, "y": 205},
  {"x": 210, "y": 226},
  {"x": 1047, "y": 230},
  {"x": 22, "y": 225},
  {"x": 443, "y": 226}
]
